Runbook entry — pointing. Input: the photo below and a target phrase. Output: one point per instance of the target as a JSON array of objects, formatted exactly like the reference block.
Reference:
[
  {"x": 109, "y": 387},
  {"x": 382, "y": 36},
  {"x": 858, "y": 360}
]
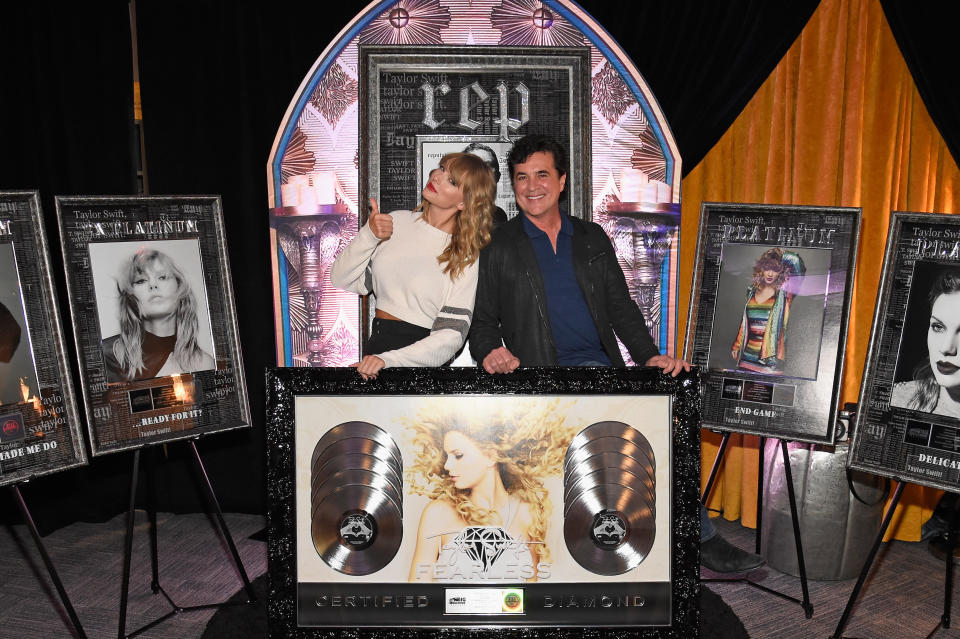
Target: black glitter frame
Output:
[{"x": 285, "y": 384}]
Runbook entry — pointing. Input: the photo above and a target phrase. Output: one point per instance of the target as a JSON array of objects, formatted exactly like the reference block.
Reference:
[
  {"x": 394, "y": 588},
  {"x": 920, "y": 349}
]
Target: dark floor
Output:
[{"x": 902, "y": 600}]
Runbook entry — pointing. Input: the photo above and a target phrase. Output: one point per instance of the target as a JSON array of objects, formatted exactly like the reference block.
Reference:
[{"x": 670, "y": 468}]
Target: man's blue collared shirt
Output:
[{"x": 574, "y": 333}]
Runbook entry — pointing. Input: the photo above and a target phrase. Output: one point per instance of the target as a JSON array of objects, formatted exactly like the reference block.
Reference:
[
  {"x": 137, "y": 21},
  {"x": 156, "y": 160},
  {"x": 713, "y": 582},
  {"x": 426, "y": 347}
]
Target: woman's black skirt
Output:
[{"x": 388, "y": 335}]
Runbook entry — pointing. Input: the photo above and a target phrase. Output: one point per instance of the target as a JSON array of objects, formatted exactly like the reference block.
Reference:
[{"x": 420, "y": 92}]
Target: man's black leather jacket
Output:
[{"x": 511, "y": 300}]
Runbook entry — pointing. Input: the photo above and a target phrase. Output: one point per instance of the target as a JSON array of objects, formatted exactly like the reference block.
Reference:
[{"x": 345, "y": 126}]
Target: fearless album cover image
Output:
[
  {"x": 418, "y": 495},
  {"x": 154, "y": 318},
  {"x": 768, "y": 316},
  {"x": 40, "y": 430}
]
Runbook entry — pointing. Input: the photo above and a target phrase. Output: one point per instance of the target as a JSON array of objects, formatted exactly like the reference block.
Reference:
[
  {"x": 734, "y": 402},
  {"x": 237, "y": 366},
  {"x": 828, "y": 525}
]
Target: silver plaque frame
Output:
[
  {"x": 898, "y": 432},
  {"x": 795, "y": 396},
  {"x": 128, "y": 407},
  {"x": 40, "y": 431}
]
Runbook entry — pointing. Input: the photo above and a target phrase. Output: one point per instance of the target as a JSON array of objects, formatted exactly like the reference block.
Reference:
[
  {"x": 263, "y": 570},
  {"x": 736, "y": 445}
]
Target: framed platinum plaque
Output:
[
  {"x": 40, "y": 430},
  {"x": 768, "y": 316},
  {"x": 908, "y": 421},
  {"x": 417, "y": 103},
  {"x": 153, "y": 313},
  {"x": 449, "y": 498}
]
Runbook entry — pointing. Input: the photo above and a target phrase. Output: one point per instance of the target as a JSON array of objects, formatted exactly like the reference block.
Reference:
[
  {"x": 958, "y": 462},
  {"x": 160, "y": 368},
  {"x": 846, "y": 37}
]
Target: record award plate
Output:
[
  {"x": 355, "y": 477},
  {"x": 609, "y": 529},
  {"x": 346, "y": 430},
  {"x": 608, "y": 429},
  {"x": 355, "y": 461},
  {"x": 352, "y": 446},
  {"x": 609, "y": 477},
  {"x": 357, "y": 530},
  {"x": 642, "y": 455}
]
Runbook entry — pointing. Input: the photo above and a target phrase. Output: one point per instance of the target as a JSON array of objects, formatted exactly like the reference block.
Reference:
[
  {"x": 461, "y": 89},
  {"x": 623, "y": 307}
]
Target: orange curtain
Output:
[{"x": 839, "y": 122}]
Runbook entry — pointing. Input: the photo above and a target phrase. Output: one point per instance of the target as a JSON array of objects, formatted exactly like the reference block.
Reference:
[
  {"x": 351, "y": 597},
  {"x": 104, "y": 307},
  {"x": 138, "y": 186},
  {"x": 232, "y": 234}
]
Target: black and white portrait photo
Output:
[
  {"x": 927, "y": 375},
  {"x": 769, "y": 310},
  {"x": 18, "y": 373},
  {"x": 493, "y": 152},
  {"x": 152, "y": 309}
]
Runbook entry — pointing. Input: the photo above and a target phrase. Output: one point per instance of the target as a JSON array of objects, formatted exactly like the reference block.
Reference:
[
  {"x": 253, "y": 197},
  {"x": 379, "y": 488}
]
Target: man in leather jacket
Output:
[
  {"x": 569, "y": 313},
  {"x": 551, "y": 293}
]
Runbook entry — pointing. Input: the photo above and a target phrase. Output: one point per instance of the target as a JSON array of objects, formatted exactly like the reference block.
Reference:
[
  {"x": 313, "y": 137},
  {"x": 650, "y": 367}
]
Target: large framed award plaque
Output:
[
  {"x": 40, "y": 429},
  {"x": 768, "y": 316},
  {"x": 450, "y": 498},
  {"x": 907, "y": 425},
  {"x": 154, "y": 318}
]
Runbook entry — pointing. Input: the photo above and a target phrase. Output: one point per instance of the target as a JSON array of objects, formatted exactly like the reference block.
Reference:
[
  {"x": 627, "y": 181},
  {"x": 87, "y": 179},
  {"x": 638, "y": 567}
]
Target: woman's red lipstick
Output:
[{"x": 946, "y": 368}]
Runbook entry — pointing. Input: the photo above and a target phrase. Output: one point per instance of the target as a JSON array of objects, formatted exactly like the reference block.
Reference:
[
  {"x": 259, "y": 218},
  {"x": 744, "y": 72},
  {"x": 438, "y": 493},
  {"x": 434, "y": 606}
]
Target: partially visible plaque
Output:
[
  {"x": 768, "y": 316},
  {"x": 154, "y": 318},
  {"x": 39, "y": 425},
  {"x": 908, "y": 422}
]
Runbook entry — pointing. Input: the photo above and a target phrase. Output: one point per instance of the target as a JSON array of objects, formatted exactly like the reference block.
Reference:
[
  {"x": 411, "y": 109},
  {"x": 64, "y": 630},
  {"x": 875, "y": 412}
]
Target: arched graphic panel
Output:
[{"x": 314, "y": 165}]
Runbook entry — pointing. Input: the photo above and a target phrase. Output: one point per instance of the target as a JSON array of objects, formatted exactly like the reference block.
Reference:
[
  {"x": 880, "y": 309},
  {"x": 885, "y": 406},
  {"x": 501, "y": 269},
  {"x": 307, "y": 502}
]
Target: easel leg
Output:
[
  {"x": 788, "y": 472},
  {"x": 763, "y": 448},
  {"x": 715, "y": 468},
  {"x": 128, "y": 546},
  {"x": 54, "y": 577},
  {"x": 152, "y": 517},
  {"x": 948, "y": 578},
  {"x": 223, "y": 524},
  {"x": 838, "y": 633}
]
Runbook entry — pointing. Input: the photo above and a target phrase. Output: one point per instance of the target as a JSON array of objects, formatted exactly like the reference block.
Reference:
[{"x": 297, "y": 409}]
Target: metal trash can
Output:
[{"x": 837, "y": 529}]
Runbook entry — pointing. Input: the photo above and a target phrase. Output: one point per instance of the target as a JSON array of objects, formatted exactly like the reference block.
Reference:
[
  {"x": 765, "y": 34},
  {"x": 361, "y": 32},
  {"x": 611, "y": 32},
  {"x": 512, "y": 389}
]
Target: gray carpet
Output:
[
  {"x": 903, "y": 598},
  {"x": 195, "y": 568}
]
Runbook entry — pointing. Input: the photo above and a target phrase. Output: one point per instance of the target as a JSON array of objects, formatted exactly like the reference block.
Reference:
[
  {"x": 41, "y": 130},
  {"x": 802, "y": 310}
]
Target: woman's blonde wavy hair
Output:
[
  {"x": 128, "y": 349},
  {"x": 472, "y": 225},
  {"x": 528, "y": 443}
]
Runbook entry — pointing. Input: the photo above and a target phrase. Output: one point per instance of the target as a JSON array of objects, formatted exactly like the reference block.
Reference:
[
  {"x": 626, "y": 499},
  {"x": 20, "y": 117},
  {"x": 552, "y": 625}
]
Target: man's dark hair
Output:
[{"x": 536, "y": 143}]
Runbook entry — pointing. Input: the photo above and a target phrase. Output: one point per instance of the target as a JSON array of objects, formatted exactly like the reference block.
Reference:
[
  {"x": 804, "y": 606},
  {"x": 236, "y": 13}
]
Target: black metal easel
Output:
[
  {"x": 805, "y": 603},
  {"x": 154, "y": 562},
  {"x": 54, "y": 577},
  {"x": 951, "y": 536}
]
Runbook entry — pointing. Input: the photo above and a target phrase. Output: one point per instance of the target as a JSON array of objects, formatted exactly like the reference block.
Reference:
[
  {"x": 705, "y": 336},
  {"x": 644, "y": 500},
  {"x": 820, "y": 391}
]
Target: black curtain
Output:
[
  {"x": 703, "y": 60},
  {"x": 926, "y": 35},
  {"x": 217, "y": 77},
  {"x": 66, "y": 128}
]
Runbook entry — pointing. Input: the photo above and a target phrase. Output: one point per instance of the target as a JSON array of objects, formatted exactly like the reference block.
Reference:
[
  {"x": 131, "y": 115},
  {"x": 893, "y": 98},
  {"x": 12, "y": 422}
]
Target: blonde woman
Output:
[
  {"x": 485, "y": 478},
  {"x": 422, "y": 267},
  {"x": 157, "y": 312}
]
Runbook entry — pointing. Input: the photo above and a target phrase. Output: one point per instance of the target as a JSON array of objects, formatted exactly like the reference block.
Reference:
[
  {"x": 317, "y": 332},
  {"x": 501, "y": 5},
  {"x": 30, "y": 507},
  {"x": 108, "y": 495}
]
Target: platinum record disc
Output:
[
  {"x": 366, "y": 430},
  {"x": 610, "y": 477},
  {"x": 610, "y": 445},
  {"x": 354, "y": 445},
  {"x": 355, "y": 461},
  {"x": 357, "y": 530},
  {"x": 355, "y": 477},
  {"x": 609, "y": 529},
  {"x": 609, "y": 429},
  {"x": 612, "y": 461}
]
